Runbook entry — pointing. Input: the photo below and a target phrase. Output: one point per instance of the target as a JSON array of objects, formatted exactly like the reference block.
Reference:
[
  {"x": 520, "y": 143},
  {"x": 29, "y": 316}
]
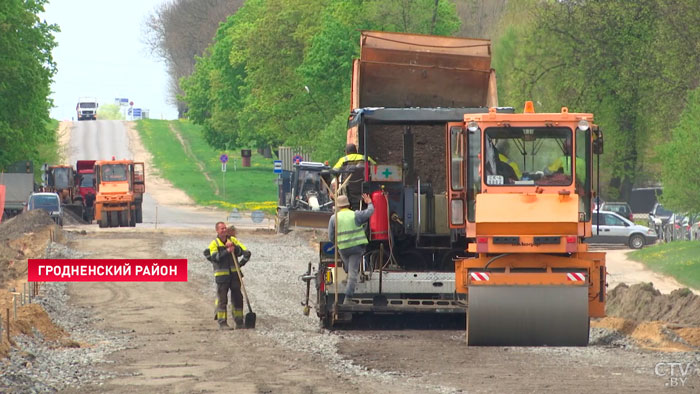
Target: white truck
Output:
[{"x": 86, "y": 109}]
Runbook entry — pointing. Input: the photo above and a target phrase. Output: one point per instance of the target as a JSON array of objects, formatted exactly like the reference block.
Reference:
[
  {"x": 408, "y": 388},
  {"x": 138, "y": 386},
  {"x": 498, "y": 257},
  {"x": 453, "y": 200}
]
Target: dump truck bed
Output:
[{"x": 412, "y": 70}]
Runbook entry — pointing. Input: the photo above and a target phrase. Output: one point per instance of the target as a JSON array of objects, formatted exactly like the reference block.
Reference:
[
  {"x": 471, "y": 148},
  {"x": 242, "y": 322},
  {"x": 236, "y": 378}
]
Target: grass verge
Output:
[
  {"x": 680, "y": 260},
  {"x": 245, "y": 188}
]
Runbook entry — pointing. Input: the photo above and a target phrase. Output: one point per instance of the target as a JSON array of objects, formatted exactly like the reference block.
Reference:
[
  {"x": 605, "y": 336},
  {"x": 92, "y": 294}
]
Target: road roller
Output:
[{"x": 521, "y": 185}]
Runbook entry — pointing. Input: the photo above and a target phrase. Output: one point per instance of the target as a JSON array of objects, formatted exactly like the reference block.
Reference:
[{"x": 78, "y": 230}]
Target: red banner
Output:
[{"x": 107, "y": 270}]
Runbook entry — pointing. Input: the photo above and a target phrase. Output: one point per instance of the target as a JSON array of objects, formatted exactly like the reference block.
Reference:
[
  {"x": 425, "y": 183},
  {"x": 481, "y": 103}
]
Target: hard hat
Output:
[{"x": 342, "y": 201}]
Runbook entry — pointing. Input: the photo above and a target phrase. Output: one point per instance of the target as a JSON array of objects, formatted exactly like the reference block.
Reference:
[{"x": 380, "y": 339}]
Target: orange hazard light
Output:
[{"x": 529, "y": 108}]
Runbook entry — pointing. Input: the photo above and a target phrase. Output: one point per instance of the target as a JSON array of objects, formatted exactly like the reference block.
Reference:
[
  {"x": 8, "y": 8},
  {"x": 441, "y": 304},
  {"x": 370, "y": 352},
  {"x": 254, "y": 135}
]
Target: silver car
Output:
[
  {"x": 49, "y": 202},
  {"x": 614, "y": 229}
]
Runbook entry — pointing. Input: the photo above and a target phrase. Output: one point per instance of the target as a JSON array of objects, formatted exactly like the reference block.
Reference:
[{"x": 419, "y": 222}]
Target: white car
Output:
[{"x": 614, "y": 229}]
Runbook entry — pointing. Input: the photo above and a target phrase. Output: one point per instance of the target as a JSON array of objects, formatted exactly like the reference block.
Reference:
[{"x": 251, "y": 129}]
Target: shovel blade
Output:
[{"x": 249, "y": 321}]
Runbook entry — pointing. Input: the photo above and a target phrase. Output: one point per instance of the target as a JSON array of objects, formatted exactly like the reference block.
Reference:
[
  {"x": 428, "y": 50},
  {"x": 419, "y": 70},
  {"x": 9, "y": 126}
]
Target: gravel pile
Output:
[{"x": 37, "y": 365}]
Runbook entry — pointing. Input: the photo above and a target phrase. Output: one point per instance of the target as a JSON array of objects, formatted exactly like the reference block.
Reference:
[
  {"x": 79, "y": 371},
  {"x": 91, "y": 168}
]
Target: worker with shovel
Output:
[{"x": 223, "y": 254}]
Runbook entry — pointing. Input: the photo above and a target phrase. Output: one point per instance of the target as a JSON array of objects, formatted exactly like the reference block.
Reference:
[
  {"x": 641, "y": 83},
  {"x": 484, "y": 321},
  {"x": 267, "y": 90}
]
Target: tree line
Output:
[
  {"x": 634, "y": 64},
  {"x": 26, "y": 71}
]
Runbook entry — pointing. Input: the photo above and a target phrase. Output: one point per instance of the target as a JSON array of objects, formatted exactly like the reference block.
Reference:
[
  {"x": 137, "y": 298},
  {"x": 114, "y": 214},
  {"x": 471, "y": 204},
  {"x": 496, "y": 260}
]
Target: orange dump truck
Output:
[
  {"x": 120, "y": 185},
  {"x": 529, "y": 279}
]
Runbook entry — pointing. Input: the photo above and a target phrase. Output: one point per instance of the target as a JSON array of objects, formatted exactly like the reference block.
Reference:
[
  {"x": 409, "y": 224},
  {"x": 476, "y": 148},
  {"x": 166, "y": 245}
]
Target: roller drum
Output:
[{"x": 527, "y": 316}]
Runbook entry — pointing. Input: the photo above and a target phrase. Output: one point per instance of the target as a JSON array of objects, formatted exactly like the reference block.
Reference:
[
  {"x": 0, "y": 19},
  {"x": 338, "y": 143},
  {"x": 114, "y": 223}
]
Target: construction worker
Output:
[
  {"x": 351, "y": 238},
  {"x": 355, "y": 162},
  {"x": 221, "y": 251},
  {"x": 351, "y": 156},
  {"x": 562, "y": 164}
]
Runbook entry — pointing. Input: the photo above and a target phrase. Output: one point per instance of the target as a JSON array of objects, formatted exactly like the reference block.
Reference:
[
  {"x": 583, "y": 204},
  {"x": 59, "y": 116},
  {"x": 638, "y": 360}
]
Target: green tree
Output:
[
  {"x": 249, "y": 88},
  {"x": 681, "y": 167},
  {"x": 26, "y": 69},
  {"x": 591, "y": 57}
]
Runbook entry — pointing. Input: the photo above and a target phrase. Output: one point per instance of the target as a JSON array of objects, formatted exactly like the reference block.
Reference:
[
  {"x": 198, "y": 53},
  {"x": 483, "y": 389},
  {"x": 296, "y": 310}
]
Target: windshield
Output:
[
  {"x": 114, "y": 172},
  {"x": 61, "y": 178},
  {"x": 49, "y": 203},
  {"x": 529, "y": 156},
  {"x": 86, "y": 180},
  {"x": 87, "y": 105},
  {"x": 661, "y": 211}
]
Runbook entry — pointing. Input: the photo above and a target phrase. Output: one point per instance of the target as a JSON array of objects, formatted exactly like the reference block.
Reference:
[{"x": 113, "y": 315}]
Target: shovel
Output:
[{"x": 249, "y": 320}]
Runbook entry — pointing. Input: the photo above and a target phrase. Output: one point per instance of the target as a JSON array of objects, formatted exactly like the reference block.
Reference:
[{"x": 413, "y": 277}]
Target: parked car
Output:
[
  {"x": 695, "y": 228},
  {"x": 622, "y": 208},
  {"x": 679, "y": 227},
  {"x": 49, "y": 202},
  {"x": 615, "y": 229},
  {"x": 658, "y": 217}
]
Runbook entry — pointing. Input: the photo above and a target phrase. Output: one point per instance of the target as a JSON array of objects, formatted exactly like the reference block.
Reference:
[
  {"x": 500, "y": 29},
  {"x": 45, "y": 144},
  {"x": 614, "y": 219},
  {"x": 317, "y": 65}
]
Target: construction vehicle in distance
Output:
[
  {"x": 85, "y": 188},
  {"x": 120, "y": 185},
  {"x": 406, "y": 88},
  {"x": 60, "y": 179},
  {"x": 18, "y": 182},
  {"x": 303, "y": 200},
  {"x": 86, "y": 109},
  {"x": 526, "y": 212}
]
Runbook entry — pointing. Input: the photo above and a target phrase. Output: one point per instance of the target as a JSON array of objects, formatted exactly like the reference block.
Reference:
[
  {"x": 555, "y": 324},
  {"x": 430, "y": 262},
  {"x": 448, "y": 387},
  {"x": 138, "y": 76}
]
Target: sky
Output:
[{"x": 101, "y": 54}]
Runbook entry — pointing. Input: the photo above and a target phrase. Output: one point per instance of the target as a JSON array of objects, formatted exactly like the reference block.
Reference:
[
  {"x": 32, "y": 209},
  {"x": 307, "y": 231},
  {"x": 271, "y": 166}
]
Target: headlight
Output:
[
  {"x": 472, "y": 126},
  {"x": 583, "y": 125}
]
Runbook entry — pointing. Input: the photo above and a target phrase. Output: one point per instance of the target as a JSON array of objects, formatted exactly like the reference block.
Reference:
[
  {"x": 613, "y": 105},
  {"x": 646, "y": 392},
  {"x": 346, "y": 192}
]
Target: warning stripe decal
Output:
[
  {"x": 576, "y": 276},
  {"x": 479, "y": 276}
]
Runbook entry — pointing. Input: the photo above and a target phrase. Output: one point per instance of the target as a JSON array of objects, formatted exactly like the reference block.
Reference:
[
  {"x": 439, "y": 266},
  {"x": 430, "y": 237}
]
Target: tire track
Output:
[{"x": 194, "y": 159}]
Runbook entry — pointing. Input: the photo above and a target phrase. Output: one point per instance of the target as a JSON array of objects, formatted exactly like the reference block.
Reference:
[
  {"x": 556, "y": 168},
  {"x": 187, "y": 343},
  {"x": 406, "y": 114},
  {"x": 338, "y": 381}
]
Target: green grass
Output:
[
  {"x": 679, "y": 259},
  {"x": 246, "y": 188}
]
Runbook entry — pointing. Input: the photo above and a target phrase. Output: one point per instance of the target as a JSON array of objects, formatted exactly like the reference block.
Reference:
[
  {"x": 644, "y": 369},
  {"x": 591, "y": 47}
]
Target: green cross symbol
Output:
[{"x": 386, "y": 173}]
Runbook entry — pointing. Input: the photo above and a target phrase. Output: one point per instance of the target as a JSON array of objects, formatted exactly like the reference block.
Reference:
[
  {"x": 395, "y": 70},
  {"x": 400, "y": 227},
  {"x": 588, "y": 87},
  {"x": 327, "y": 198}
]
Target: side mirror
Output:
[{"x": 598, "y": 140}]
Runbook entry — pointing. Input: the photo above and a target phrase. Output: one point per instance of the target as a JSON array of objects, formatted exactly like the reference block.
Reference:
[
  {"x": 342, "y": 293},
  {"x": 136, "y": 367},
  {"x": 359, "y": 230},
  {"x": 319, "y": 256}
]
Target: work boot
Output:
[
  {"x": 239, "y": 323},
  {"x": 224, "y": 326}
]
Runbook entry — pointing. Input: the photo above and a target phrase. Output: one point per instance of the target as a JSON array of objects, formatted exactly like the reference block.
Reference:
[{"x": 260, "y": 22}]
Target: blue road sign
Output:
[
  {"x": 278, "y": 167},
  {"x": 328, "y": 248},
  {"x": 124, "y": 101},
  {"x": 223, "y": 158},
  {"x": 297, "y": 159},
  {"x": 137, "y": 112}
]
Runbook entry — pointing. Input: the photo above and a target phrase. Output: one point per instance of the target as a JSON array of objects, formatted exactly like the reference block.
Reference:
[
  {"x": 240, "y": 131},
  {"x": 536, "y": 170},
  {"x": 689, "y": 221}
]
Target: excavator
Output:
[{"x": 520, "y": 185}]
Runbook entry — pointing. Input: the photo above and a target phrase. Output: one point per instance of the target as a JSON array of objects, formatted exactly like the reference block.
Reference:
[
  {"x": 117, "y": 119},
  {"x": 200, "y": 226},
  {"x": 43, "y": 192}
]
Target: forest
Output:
[{"x": 633, "y": 63}]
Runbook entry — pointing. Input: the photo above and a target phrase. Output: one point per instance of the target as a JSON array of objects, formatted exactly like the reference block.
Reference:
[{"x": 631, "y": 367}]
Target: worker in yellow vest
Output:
[{"x": 351, "y": 238}]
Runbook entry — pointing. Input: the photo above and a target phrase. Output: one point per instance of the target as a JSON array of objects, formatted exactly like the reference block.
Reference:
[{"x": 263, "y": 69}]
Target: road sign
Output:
[
  {"x": 257, "y": 216},
  {"x": 137, "y": 112},
  {"x": 297, "y": 159},
  {"x": 278, "y": 167},
  {"x": 223, "y": 158},
  {"x": 123, "y": 102},
  {"x": 328, "y": 248},
  {"x": 131, "y": 103}
]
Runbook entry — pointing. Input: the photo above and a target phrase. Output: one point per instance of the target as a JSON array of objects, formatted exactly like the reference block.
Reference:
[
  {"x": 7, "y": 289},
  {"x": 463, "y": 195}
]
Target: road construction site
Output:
[{"x": 162, "y": 337}]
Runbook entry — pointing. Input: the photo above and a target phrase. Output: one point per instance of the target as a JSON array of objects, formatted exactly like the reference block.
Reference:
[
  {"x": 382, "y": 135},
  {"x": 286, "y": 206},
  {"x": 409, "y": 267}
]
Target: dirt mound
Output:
[
  {"x": 641, "y": 302},
  {"x": 26, "y": 222},
  {"x": 24, "y": 237}
]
